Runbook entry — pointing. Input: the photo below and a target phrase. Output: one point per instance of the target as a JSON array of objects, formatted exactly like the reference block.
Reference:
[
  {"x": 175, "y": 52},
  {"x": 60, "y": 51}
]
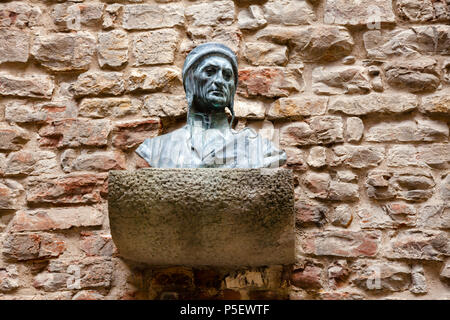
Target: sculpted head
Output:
[{"x": 210, "y": 78}]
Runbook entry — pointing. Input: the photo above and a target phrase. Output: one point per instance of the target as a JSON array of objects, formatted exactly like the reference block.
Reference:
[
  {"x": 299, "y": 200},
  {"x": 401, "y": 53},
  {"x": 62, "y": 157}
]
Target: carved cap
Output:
[{"x": 209, "y": 48}]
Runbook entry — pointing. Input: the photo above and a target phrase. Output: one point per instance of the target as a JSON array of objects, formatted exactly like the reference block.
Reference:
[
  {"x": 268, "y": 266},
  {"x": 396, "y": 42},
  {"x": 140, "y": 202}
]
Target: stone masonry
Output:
[{"x": 356, "y": 92}]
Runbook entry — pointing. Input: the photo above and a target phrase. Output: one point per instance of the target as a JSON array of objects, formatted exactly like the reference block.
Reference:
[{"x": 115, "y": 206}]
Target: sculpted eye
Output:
[
  {"x": 227, "y": 74},
  {"x": 210, "y": 71}
]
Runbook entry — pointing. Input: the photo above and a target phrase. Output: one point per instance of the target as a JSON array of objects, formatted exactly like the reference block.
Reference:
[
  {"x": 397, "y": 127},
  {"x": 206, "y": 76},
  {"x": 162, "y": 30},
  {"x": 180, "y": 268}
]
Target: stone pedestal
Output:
[{"x": 203, "y": 217}]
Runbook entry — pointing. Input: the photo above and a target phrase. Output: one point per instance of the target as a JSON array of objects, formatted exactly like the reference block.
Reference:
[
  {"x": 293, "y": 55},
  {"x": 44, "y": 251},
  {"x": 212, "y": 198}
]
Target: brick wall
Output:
[{"x": 358, "y": 91}]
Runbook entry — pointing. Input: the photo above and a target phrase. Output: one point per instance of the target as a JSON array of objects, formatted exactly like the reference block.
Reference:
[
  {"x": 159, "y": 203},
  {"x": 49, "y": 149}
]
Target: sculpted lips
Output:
[{"x": 217, "y": 92}]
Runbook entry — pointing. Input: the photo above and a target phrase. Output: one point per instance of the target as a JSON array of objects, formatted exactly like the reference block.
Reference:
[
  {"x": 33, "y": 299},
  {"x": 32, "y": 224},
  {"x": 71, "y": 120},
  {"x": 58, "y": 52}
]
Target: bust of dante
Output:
[{"x": 210, "y": 78}]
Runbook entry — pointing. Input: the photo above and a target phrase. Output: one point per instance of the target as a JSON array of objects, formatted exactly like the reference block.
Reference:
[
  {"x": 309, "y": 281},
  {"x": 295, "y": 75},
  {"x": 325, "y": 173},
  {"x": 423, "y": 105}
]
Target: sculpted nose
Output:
[{"x": 218, "y": 79}]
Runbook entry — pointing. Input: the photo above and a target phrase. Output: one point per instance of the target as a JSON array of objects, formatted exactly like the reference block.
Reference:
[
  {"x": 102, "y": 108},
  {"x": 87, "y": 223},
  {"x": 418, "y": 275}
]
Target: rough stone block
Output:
[
  {"x": 64, "y": 51},
  {"x": 67, "y": 189},
  {"x": 129, "y": 134},
  {"x": 36, "y": 86},
  {"x": 269, "y": 82},
  {"x": 152, "y": 16},
  {"x": 155, "y": 47},
  {"x": 244, "y": 214},
  {"x": 56, "y": 219},
  {"x": 343, "y": 243},
  {"x": 359, "y": 13},
  {"x": 14, "y": 45},
  {"x": 112, "y": 48}
]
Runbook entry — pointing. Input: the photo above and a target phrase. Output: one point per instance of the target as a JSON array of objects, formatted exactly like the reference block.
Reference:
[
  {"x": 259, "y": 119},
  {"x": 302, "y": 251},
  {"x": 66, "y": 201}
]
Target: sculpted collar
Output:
[{"x": 205, "y": 121}]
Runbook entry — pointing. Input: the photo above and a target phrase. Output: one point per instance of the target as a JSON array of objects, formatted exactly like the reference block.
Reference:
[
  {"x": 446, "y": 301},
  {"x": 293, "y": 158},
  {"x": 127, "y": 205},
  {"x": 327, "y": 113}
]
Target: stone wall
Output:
[{"x": 358, "y": 92}]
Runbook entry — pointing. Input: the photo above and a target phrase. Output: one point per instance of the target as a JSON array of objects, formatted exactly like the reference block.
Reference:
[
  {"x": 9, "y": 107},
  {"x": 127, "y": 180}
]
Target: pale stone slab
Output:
[{"x": 193, "y": 217}]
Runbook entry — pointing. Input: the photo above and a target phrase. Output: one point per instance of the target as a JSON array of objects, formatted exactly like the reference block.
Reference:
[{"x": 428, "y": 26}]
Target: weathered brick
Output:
[
  {"x": 307, "y": 214},
  {"x": 269, "y": 82},
  {"x": 108, "y": 107},
  {"x": 382, "y": 276},
  {"x": 407, "y": 184},
  {"x": 342, "y": 243},
  {"x": 210, "y": 14},
  {"x": 437, "y": 104},
  {"x": 67, "y": 189},
  {"x": 295, "y": 159},
  {"x": 155, "y": 47},
  {"x": 97, "y": 245},
  {"x": 64, "y": 51},
  {"x": 341, "y": 216},
  {"x": 127, "y": 135},
  {"x": 308, "y": 277},
  {"x": 343, "y": 191},
  {"x": 354, "y": 129},
  {"x": 112, "y": 48},
  {"x": 71, "y": 16},
  {"x": 75, "y": 274},
  {"x": 408, "y": 131},
  {"x": 289, "y": 12},
  {"x": 164, "y": 106},
  {"x": 419, "y": 245},
  {"x": 359, "y": 13},
  {"x": 389, "y": 216},
  {"x": 75, "y": 133},
  {"x": 265, "y": 54},
  {"x": 318, "y": 184},
  {"x": 340, "y": 80},
  {"x": 433, "y": 39},
  {"x": 436, "y": 216},
  {"x": 13, "y": 137},
  {"x": 35, "y": 86},
  {"x": 29, "y": 112},
  {"x": 12, "y": 194},
  {"x": 316, "y": 130},
  {"x": 297, "y": 108},
  {"x": 28, "y": 246},
  {"x": 99, "y": 161},
  {"x": 153, "y": 79},
  {"x": 111, "y": 16},
  {"x": 20, "y": 15},
  {"x": 373, "y": 103},
  {"x": 152, "y": 16},
  {"x": 317, "y": 157},
  {"x": 423, "y": 10},
  {"x": 249, "y": 109},
  {"x": 311, "y": 44},
  {"x": 30, "y": 163},
  {"x": 94, "y": 83},
  {"x": 358, "y": 156},
  {"x": 9, "y": 278},
  {"x": 14, "y": 45},
  {"x": 419, "y": 282},
  {"x": 56, "y": 219},
  {"x": 415, "y": 76},
  {"x": 251, "y": 18}
]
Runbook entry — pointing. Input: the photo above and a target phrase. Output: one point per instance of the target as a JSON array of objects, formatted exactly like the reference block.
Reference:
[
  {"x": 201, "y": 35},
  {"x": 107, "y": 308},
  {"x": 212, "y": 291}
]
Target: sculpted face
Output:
[{"x": 214, "y": 84}]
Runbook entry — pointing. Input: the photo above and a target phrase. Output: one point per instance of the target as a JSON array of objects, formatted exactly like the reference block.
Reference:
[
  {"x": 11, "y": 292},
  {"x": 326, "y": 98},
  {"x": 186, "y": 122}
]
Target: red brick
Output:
[
  {"x": 69, "y": 189},
  {"x": 88, "y": 295},
  {"x": 127, "y": 135},
  {"x": 99, "y": 161},
  {"x": 56, "y": 219},
  {"x": 75, "y": 133},
  {"x": 12, "y": 194},
  {"x": 342, "y": 243},
  {"x": 97, "y": 245},
  {"x": 12, "y": 137},
  {"x": 28, "y": 246},
  {"x": 309, "y": 214},
  {"x": 307, "y": 278},
  {"x": 268, "y": 82}
]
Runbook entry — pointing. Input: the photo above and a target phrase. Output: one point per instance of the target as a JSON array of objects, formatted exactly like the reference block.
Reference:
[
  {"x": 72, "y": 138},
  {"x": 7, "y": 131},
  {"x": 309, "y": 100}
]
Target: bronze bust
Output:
[{"x": 210, "y": 78}]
